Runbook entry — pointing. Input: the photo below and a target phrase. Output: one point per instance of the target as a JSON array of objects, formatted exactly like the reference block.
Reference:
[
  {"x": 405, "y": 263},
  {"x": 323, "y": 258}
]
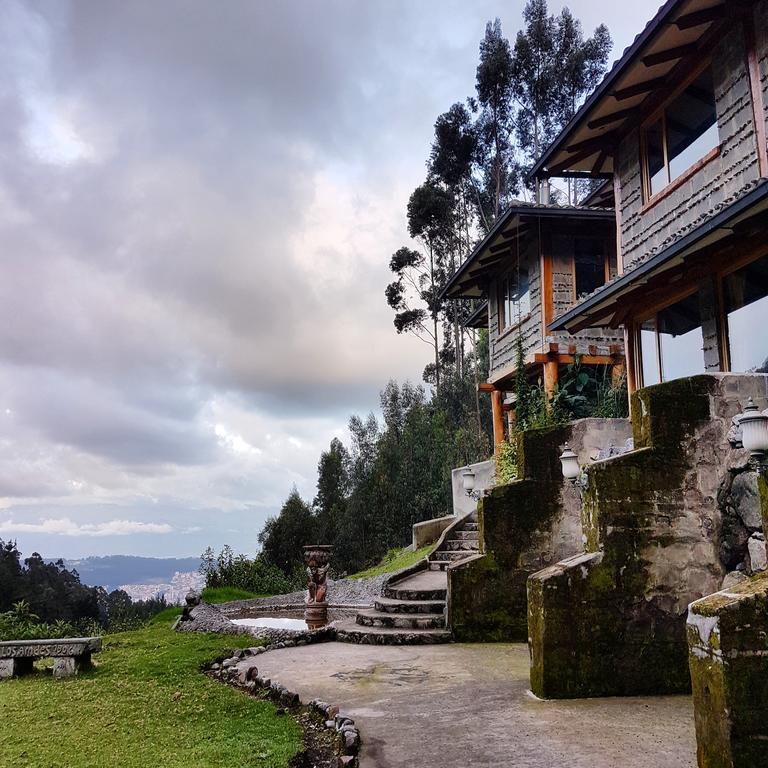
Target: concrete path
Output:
[{"x": 454, "y": 706}]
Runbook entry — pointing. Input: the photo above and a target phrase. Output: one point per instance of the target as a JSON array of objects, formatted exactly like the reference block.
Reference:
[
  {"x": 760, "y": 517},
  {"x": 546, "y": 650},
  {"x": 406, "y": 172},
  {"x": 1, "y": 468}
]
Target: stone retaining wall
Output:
[
  {"x": 523, "y": 527},
  {"x": 613, "y": 622}
]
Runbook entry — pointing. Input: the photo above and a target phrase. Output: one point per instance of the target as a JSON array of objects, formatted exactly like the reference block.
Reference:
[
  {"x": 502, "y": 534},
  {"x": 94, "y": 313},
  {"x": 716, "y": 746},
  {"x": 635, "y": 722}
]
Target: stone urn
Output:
[{"x": 317, "y": 558}]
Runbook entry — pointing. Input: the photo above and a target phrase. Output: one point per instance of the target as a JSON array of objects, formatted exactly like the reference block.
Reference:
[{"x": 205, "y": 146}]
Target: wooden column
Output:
[
  {"x": 630, "y": 353},
  {"x": 498, "y": 417},
  {"x": 550, "y": 378}
]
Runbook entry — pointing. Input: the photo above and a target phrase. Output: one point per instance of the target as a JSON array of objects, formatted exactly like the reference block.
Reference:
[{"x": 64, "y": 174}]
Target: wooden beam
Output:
[
  {"x": 600, "y": 162},
  {"x": 671, "y": 54},
  {"x": 614, "y": 117},
  {"x": 594, "y": 144},
  {"x": 498, "y": 417},
  {"x": 639, "y": 88},
  {"x": 697, "y": 18},
  {"x": 486, "y": 387},
  {"x": 563, "y": 164},
  {"x": 551, "y": 372},
  {"x": 561, "y": 359}
]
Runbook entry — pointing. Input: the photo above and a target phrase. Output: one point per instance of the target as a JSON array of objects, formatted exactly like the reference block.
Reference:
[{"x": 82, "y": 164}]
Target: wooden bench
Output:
[{"x": 70, "y": 655}]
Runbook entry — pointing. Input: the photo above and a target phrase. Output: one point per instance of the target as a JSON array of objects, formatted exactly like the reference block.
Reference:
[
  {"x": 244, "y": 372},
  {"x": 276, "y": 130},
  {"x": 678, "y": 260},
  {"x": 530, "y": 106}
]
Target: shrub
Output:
[{"x": 229, "y": 570}]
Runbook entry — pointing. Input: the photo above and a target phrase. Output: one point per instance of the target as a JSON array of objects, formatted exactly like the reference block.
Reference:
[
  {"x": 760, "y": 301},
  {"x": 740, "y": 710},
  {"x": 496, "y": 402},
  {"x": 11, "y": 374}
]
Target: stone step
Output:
[
  {"x": 464, "y": 545},
  {"x": 351, "y": 632},
  {"x": 473, "y": 517},
  {"x": 449, "y": 555},
  {"x": 418, "y": 595},
  {"x": 470, "y": 526},
  {"x": 441, "y": 566},
  {"x": 372, "y": 618},
  {"x": 386, "y": 605},
  {"x": 466, "y": 535}
]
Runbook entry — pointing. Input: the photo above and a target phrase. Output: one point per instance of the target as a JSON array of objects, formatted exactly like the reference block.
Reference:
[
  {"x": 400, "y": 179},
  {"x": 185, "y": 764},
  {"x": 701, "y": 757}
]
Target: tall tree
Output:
[
  {"x": 283, "y": 536},
  {"x": 494, "y": 83},
  {"x": 332, "y": 489}
]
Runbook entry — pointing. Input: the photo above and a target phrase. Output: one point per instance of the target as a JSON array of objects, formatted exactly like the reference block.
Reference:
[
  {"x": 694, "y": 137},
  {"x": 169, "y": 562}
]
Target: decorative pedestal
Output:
[{"x": 317, "y": 558}]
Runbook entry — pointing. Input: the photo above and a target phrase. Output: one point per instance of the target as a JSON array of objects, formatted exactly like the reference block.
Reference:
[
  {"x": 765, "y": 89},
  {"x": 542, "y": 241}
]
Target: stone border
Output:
[{"x": 240, "y": 671}]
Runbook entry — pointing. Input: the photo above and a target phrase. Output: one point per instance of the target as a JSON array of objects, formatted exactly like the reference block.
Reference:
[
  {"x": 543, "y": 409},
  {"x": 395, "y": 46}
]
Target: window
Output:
[
  {"x": 589, "y": 265},
  {"x": 672, "y": 343},
  {"x": 745, "y": 293},
  {"x": 514, "y": 298},
  {"x": 685, "y": 132}
]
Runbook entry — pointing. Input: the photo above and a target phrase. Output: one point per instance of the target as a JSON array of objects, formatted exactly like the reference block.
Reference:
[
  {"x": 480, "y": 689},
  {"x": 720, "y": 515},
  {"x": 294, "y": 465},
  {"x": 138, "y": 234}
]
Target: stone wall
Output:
[
  {"x": 719, "y": 183},
  {"x": 612, "y": 622},
  {"x": 524, "y": 526}
]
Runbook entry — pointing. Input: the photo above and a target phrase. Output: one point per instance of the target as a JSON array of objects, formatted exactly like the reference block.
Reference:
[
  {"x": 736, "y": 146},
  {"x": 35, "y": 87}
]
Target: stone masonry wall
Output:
[
  {"x": 612, "y": 621},
  {"x": 719, "y": 183},
  {"x": 524, "y": 526}
]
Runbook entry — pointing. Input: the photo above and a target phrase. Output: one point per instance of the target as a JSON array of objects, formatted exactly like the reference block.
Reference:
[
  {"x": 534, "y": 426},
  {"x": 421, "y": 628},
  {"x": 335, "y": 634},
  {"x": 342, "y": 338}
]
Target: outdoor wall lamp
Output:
[
  {"x": 571, "y": 469},
  {"x": 468, "y": 483},
  {"x": 754, "y": 432}
]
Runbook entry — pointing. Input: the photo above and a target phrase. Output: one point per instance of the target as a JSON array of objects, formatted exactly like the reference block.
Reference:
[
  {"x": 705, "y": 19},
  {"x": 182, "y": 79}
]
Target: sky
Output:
[{"x": 198, "y": 203}]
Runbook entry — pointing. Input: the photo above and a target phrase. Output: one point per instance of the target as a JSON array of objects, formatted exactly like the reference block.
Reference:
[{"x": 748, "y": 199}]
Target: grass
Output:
[
  {"x": 225, "y": 594},
  {"x": 146, "y": 704},
  {"x": 394, "y": 560}
]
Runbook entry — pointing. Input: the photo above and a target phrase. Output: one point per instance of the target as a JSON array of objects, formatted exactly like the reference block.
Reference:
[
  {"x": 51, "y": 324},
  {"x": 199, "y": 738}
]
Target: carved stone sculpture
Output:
[{"x": 317, "y": 558}]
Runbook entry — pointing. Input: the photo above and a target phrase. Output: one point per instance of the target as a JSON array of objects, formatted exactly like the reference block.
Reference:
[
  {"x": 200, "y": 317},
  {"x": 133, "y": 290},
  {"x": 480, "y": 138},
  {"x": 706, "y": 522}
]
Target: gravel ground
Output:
[{"x": 344, "y": 592}]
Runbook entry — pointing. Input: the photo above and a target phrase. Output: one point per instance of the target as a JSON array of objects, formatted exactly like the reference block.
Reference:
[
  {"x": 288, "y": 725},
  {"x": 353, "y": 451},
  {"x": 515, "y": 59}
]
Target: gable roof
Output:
[
  {"x": 498, "y": 244},
  {"x": 677, "y": 35}
]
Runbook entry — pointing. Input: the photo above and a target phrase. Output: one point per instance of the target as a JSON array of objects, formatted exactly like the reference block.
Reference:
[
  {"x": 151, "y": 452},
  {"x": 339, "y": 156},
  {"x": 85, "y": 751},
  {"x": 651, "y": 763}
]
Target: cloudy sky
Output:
[{"x": 198, "y": 201}]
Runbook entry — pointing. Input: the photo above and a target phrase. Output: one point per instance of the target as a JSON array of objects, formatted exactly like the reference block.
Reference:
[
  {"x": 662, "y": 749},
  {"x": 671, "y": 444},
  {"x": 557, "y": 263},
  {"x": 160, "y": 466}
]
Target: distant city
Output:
[
  {"x": 142, "y": 578},
  {"x": 174, "y": 592}
]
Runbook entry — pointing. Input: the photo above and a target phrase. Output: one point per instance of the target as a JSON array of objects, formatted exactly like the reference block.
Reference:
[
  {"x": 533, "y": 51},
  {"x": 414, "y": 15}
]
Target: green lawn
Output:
[
  {"x": 146, "y": 704},
  {"x": 225, "y": 594},
  {"x": 394, "y": 560}
]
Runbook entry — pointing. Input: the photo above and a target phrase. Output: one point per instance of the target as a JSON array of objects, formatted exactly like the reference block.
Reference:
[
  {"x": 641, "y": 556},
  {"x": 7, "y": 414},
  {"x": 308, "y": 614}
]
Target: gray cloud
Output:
[{"x": 197, "y": 205}]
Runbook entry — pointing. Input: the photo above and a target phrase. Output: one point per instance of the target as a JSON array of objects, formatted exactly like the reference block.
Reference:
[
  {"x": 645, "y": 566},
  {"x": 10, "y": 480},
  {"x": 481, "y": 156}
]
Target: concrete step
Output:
[
  {"x": 448, "y": 555},
  {"x": 466, "y": 535},
  {"x": 397, "y": 593},
  {"x": 470, "y": 526},
  {"x": 464, "y": 545},
  {"x": 423, "y": 585},
  {"x": 372, "y": 618},
  {"x": 386, "y": 605},
  {"x": 441, "y": 566},
  {"x": 351, "y": 632}
]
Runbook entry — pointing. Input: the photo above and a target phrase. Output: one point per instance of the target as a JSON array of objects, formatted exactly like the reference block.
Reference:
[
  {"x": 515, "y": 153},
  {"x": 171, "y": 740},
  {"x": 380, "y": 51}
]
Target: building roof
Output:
[
  {"x": 675, "y": 37},
  {"x": 502, "y": 240},
  {"x": 479, "y": 318},
  {"x": 601, "y": 307}
]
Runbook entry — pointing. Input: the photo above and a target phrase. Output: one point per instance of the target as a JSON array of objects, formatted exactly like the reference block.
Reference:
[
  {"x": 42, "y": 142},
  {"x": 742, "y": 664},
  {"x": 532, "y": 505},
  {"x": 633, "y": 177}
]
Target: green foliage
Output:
[
  {"x": 57, "y": 598},
  {"x": 146, "y": 704},
  {"x": 506, "y": 462},
  {"x": 21, "y": 624},
  {"x": 255, "y": 576},
  {"x": 395, "y": 560}
]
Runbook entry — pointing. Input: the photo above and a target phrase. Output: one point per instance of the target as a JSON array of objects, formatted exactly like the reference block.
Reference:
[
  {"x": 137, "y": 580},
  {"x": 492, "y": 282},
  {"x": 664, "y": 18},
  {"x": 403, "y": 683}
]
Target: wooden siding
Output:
[
  {"x": 761, "y": 38},
  {"x": 719, "y": 182}
]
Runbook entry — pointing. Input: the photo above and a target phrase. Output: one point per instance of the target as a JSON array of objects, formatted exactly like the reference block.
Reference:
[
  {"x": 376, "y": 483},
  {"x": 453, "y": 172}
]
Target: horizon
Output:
[{"x": 199, "y": 219}]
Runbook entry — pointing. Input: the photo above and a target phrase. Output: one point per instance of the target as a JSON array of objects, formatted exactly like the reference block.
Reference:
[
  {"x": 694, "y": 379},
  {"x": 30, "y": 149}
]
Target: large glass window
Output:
[
  {"x": 649, "y": 351},
  {"x": 681, "y": 339},
  {"x": 514, "y": 298},
  {"x": 745, "y": 293},
  {"x": 589, "y": 259},
  {"x": 672, "y": 343},
  {"x": 685, "y": 132}
]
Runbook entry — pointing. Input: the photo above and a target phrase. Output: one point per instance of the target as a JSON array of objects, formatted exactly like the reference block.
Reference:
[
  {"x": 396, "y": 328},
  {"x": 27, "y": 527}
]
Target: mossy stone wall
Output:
[
  {"x": 728, "y": 640},
  {"x": 524, "y": 526},
  {"x": 614, "y": 624}
]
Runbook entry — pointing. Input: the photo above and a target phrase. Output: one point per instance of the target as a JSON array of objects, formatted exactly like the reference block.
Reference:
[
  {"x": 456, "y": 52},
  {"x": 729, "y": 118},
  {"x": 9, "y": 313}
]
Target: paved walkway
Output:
[{"x": 460, "y": 706}]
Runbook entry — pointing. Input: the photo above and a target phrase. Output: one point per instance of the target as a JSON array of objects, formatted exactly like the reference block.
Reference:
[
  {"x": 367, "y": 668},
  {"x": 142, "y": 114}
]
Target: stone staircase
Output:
[
  {"x": 460, "y": 542},
  {"x": 413, "y": 608}
]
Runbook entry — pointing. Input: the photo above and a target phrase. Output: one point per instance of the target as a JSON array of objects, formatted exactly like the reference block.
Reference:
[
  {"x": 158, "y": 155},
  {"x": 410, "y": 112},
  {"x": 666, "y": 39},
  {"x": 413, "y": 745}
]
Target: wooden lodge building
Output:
[
  {"x": 533, "y": 265},
  {"x": 679, "y": 126}
]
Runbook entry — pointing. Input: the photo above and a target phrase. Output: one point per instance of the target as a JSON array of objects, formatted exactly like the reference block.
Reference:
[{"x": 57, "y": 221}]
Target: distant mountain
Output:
[{"x": 113, "y": 570}]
